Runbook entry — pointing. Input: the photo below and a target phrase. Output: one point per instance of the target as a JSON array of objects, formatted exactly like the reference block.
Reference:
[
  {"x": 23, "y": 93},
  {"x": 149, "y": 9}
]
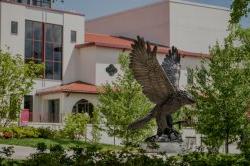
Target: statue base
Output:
[{"x": 164, "y": 147}]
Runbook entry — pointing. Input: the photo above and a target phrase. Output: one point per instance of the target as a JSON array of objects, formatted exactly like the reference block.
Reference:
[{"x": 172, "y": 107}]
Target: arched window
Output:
[{"x": 83, "y": 106}]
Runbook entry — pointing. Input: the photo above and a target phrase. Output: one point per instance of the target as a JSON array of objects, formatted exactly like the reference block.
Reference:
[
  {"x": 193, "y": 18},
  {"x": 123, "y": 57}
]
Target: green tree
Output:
[
  {"x": 122, "y": 102},
  {"x": 239, "y": 9},
  {"x": 223, "y": 98},
  {"x": 76, "y": 125},
  {"x": 16, "y": 80}
]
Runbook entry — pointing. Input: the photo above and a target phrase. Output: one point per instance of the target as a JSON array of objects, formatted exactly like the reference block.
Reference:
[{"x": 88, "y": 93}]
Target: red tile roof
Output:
[
  {"x": 74, "y": 87},
  {"x": 101, "y": 40}
]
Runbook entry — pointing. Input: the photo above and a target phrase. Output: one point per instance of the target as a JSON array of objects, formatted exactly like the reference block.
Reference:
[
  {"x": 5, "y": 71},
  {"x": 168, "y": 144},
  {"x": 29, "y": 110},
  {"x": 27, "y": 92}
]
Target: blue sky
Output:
[{"x": 97, "y": 8}]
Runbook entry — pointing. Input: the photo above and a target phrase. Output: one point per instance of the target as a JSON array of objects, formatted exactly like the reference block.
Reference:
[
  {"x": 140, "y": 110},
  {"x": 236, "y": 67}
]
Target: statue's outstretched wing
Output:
[
  {"x": 148, "y": 72},
  {"x": 172, "y": 67}
]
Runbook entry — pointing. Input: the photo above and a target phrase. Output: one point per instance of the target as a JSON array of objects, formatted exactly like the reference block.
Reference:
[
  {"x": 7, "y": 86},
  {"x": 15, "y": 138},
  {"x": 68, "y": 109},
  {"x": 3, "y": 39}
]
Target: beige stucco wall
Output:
[
  {"x": 67, "y": 101},
  {"x": 188, "y": 26},
  {"x": 97, "y": 59},
  {"x": 85, "y": 65},
  {"x": 195, "y": 27},
  {"x": 151, "y": 22}
]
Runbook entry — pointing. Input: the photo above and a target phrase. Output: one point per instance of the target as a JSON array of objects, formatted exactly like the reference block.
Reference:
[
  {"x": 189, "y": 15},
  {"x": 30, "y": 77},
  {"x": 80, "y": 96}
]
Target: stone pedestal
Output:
[{"x": 164, "y": 147}]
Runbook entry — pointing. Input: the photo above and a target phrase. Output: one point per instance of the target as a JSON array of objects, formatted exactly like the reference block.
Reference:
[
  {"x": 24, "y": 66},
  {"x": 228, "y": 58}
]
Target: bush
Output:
[
  {"x": 26, "y": 132},
  {"x": 41, "y": 147},
  {"x": 76, "y": 125},
  {"x": 92, "y": 156},
  {"x": 46, "y": 133}
]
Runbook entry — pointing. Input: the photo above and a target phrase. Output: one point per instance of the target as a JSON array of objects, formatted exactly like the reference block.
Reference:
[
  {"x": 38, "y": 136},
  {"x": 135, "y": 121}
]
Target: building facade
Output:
[
  {"x": 189, "y": 26},
  {"x": 78, "y": 60}
]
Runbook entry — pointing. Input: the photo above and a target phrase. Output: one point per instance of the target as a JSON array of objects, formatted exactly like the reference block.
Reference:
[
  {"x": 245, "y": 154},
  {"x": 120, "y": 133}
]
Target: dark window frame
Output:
[
  {"x": 54, "y": 115},
  {"x": 43, "y": 49},
  {"x": 30, "y": 99},
  {"x": 73, "y": 36},
  {"x": 14, "y": 28}
]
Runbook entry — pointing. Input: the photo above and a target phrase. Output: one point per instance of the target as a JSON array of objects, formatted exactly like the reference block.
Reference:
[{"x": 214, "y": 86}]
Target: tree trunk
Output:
[{"x": 226, "y": 145}]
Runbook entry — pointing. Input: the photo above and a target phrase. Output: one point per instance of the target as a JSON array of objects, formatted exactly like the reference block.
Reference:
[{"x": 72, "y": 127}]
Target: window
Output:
[
  {"x": 43, "y": 44},
  {"x": 53, "y": 111},
  {"x": 42, "y": 3},
  {"x": 53, "y": 51},
  {"x": 23, "y": 1},
  {"x": 190, "y": 76},
  {"x": 83, "y": 106},
  {"x": 73, "y": 36},
  {"x": 33, "y": 41},
  {"x": 14, "y": 27},
  {"x": 28, "y": 104}
]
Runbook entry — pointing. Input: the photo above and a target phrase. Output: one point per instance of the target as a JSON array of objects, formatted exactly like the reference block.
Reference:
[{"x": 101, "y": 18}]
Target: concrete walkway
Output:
[{"x": 21, "y": 152}]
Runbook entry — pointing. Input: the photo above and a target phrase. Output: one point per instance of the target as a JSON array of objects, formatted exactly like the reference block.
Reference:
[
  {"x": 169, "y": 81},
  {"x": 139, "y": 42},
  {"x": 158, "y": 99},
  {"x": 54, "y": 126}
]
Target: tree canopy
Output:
[
  {"x": 16, "y": 80},
  {"x": 222, "y": 99},
  {"x": 239, "y": 9},
  {"x": 122, "y": 102}
]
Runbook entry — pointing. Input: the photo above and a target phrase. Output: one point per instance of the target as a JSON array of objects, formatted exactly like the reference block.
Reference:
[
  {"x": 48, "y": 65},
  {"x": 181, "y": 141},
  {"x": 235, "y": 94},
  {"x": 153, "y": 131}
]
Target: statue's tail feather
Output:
[{"x": 141, "y": 122}]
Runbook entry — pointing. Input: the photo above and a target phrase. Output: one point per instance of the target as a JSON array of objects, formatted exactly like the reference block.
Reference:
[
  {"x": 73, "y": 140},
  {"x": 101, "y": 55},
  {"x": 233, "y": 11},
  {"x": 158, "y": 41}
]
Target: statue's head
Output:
[{"x": 185, "y": 97}]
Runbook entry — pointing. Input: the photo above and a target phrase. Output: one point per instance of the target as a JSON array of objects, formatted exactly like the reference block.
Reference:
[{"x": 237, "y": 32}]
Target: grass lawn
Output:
[{"x": 66, "y": 143}]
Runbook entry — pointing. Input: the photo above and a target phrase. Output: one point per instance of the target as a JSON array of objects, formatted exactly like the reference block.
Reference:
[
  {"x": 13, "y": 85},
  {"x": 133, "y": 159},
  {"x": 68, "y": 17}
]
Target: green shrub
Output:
[
  {"x": 57, "y": 149},
  {"x": 24, "y": 132},
  {"x": 41, "y": 147},
  {"x": 76, "y": 125},
  {"x": 92, "y": 155},
  {"x": 46, "y": 133},
  {"x": 18, "y": 132}
]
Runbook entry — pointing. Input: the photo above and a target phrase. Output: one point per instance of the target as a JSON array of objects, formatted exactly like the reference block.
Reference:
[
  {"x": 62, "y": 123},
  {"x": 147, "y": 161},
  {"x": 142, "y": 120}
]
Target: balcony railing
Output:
[{"x": 40, "y": 3}]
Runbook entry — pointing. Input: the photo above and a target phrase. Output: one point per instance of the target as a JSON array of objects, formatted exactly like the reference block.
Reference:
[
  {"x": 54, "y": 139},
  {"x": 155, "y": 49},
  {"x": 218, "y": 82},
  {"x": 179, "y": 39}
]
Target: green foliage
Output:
[
  {"x": 122, "y": 102},
  {"x": 239, "y": 9},
  {"x": 21, "y": 132},
  {"x": 244, "y": 144},
  {"x": 185, "y": 116},
  {"x": 221, "y": 102},
  {"x": 92, "y": 156},
  {"x": 46, "y": 133},
  {"x": 41, "y": 147},
  {"x": 76, "y": 125},
  {"x": 95, "y": 121},
  {"x": 16, "y": 80}
]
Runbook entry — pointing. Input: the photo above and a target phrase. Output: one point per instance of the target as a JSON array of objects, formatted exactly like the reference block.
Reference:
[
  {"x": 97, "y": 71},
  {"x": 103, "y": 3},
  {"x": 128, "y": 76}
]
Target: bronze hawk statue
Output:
[{"x": 160, "y": 84}]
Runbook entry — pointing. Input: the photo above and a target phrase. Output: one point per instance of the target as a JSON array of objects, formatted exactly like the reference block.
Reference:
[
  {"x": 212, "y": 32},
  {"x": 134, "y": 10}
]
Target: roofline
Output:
[
  {"x": 158, "y": 3},
  {"x": 49, "y": 91},
  {"x": 64, "y": 91},
  {"x": 43, "y": 8},
  {"x": 200, "y": 4},
  {"x": 114, "y": 46}
]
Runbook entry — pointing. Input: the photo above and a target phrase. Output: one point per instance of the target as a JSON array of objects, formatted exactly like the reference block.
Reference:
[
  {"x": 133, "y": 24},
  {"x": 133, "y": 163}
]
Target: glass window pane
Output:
[
  {"x": 57, "y": 71},
  {"x": 73, "y": 36},
  {"x": 28, "y": 49},
  {"x": 37, "y": 28},
  {"x": 28, "y": 30},
  {"x": 14, "y": 27},
  {"x": 57, "y": 33},
  {"x": 49, "y": 51},
  {"x": 58, "y": 53},
  {"x": 49, "y": 32},
  {"x": 49, "y": 70},
  {"x": 37, "y": 50}
]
